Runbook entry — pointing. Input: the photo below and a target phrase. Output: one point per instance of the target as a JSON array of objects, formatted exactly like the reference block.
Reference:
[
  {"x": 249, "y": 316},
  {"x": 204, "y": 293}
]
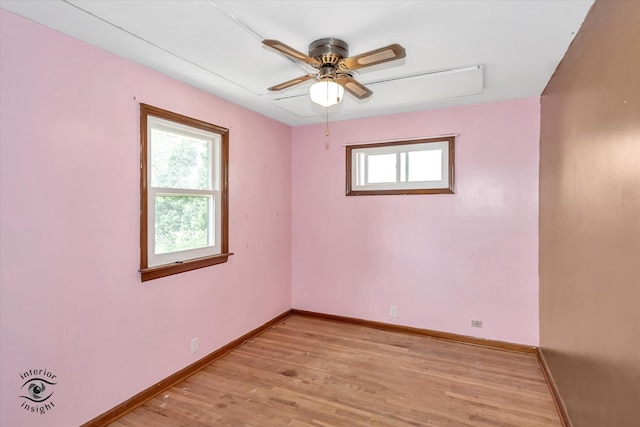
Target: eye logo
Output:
[{"x": 37, "y": 389}]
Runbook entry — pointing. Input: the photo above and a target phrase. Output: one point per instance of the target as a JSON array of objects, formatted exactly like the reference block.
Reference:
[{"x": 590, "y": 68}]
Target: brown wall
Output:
[{"x": 590, "y": 220}]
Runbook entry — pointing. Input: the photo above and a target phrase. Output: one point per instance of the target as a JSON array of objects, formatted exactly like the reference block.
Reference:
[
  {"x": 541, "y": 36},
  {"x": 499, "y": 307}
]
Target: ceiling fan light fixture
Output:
[
  {"x": 330, "y": 56},
  {"x": 326, "y": 92}
]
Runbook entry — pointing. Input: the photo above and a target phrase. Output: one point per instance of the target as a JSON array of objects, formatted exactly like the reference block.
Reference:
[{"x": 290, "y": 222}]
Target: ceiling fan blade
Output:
[
  {"x": 353, "y": 87},
  {"x": 378, "y": 56},
  {"x": 292, "y": 82},
  {"x": 288, "y": 50}
]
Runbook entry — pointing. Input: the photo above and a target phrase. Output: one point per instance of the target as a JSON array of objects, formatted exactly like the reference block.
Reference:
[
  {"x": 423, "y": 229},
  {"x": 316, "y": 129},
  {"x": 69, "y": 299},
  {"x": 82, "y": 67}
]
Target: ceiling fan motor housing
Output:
[
  {"x": 328, "y": 51},
  {"x": 326, "y": 73}
]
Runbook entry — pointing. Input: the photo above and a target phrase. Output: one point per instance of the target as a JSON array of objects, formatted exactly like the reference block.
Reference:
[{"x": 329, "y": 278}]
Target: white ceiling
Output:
[{"x": 500, "y": 49}]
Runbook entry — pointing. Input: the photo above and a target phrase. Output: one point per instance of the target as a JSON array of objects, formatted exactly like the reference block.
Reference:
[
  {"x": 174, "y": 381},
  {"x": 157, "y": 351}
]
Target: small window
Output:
[
  {"x": 184, "y": 193},
  {"x": 422, "y": 166}
]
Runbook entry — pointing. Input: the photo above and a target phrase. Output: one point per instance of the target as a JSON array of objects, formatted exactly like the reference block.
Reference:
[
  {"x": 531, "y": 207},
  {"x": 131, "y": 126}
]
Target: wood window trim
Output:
[
  {"x": 192, "y": 264},
  {"x": 155, "y": 272},
  {"x": 349, "y": 191}
]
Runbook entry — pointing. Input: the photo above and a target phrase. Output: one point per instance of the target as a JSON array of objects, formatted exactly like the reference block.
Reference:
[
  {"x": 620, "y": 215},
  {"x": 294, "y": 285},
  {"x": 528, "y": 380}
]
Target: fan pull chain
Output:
[{"x": 326, "y": 133}]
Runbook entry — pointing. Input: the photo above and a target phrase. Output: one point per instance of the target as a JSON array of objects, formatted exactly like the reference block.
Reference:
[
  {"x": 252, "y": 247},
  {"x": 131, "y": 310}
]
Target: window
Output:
[
  {"x": 423, "y": 166},
  {"x": 184, "y": 193}
]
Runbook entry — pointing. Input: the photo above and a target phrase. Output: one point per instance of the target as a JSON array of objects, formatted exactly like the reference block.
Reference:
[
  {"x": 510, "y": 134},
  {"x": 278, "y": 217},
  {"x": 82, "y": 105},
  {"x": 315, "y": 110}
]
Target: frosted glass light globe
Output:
[{"x": 326, "y": 93}]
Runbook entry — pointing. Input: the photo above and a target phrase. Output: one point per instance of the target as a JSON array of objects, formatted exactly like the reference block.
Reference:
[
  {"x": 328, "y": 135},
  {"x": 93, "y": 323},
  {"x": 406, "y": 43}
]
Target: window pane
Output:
[
  {"x": 182, "y": 222},
  {"x": 420, "y": 166},
  {"x": 381, "y": 168},
  {"x": 178, "y": 161},
  {"x": 425, "y": 165}
]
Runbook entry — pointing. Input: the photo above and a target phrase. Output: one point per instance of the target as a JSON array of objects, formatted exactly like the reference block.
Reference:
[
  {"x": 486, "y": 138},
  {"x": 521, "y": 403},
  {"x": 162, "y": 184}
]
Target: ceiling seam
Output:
[
  {"x": 159, "y": 47},
  {"x": 246, "y": 27}
]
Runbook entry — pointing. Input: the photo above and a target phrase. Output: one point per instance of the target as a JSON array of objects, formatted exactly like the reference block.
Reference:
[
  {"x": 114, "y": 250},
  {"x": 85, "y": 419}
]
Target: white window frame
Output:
[
  {"x": 358, "y": 161},
  {"x": 154, "y": 265},
  {"x": 213, "y": 193}
]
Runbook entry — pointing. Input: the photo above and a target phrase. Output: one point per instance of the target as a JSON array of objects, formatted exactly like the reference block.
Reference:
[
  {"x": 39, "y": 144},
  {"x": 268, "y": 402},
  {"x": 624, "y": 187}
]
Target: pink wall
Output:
[
  {"x": 72, "y": 301},
  {"x": 441, "y": 259}
]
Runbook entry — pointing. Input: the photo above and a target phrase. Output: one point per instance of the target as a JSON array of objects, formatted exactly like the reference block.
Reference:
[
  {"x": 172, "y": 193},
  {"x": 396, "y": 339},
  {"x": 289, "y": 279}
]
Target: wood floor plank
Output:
[{"x": 313, "y": 372}]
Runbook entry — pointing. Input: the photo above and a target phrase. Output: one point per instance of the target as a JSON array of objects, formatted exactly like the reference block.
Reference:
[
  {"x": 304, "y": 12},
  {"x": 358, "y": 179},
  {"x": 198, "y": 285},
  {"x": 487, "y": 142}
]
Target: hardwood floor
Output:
[{"x": 312, "y": 372}]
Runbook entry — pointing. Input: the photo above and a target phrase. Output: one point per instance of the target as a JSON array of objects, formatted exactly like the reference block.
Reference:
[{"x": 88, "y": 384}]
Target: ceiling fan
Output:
[{"x": 330, "y": 56}]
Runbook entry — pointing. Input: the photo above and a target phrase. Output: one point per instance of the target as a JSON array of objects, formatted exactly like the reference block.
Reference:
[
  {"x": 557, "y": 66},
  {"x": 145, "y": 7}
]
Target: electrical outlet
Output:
[
  {"x": 394, "y": 311},
  {"x": 194, "y": 345},
  {"x": 476, "y": 323}
]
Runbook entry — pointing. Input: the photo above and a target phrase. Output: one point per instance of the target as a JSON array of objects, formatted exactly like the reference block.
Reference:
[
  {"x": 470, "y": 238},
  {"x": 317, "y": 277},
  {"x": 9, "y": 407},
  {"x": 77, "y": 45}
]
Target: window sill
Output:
[
  {"x": 404, "y": 192},
  {"x": 181, "y": 267}
]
